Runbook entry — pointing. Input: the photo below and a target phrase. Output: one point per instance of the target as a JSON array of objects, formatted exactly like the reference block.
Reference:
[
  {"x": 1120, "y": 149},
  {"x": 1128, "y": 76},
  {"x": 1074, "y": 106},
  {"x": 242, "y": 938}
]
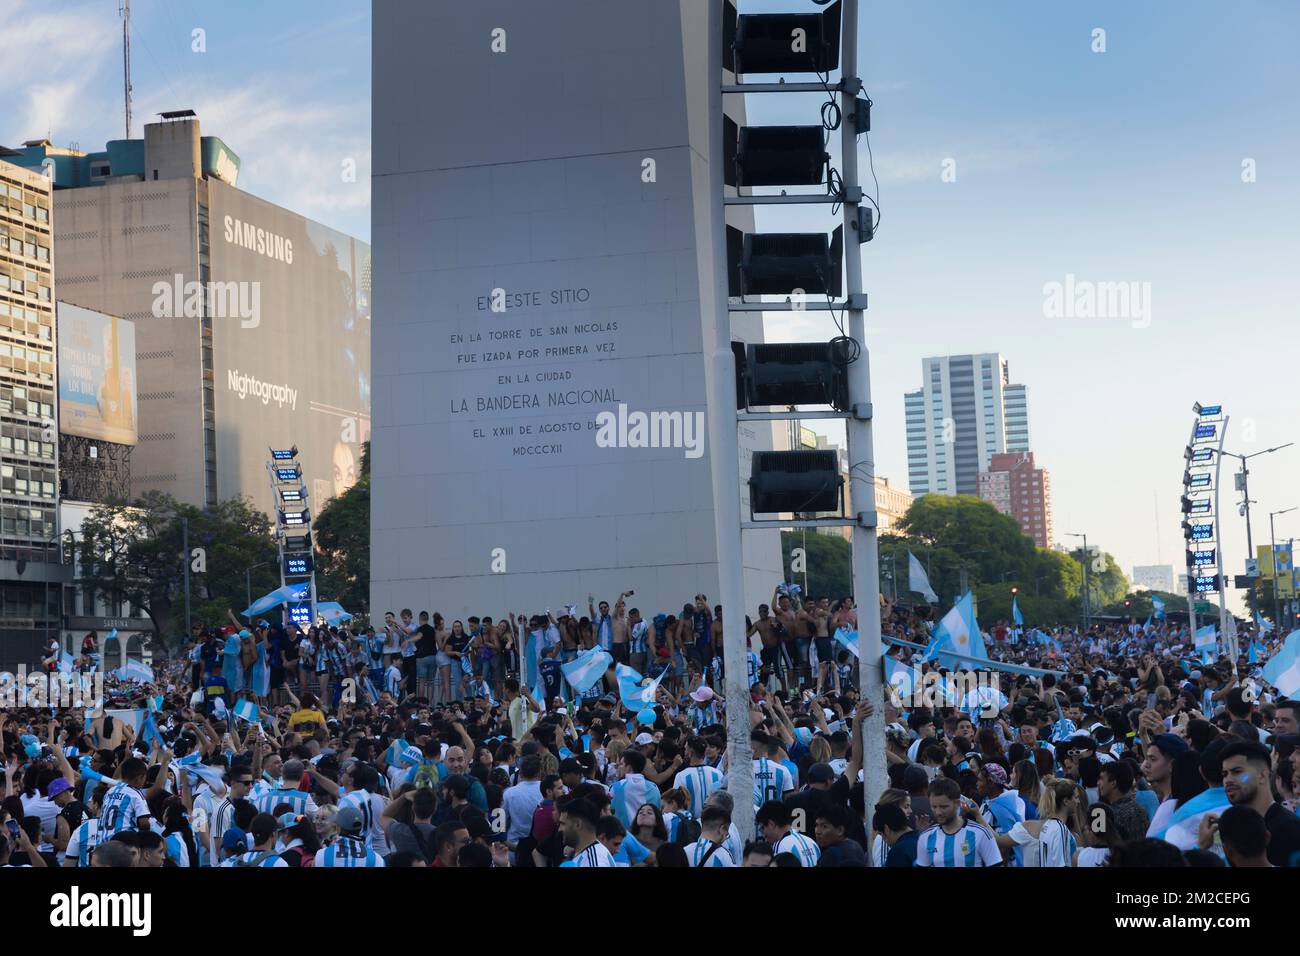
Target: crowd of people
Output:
[{"x": 420, "y": 742}]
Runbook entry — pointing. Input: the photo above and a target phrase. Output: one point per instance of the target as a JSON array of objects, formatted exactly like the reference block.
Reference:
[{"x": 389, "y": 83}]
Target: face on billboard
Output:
[{"x": 294, "y": 370}]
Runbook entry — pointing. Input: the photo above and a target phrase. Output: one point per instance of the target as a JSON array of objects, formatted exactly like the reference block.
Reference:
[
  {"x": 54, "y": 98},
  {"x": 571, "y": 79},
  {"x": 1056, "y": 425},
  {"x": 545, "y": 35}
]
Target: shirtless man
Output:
[
  {"x": 819, "y": 612},
  {"x": 622, "y": 630},
  {"x": 793, "y": 633},
  {"x": 770, "y": 654}
]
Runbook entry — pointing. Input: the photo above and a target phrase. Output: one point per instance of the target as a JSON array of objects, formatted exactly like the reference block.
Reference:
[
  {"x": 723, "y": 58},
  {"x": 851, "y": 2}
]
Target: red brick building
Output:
[{"x": 1015, "y": 487}]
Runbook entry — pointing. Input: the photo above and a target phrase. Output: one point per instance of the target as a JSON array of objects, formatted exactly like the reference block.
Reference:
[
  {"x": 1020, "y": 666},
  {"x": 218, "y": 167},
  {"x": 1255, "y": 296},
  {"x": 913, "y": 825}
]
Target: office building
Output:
[
  {"x": 965, "y": 411},
  {"x": 1153, "y": 577},
  {"x": 252, "y": 323}
]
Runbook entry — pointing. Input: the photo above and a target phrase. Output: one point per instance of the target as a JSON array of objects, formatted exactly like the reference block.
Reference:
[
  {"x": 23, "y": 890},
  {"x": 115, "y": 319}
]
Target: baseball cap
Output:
[
  {"x": 702, "y": 694},
  {"x": 1171, "y": 745},
  {"x": 234, "y": 839},
  {"x": 348, "y": 819},
  {"x": 820, "y": 773},
  {"x": 56, "y": 787},
  {"x": 997, "y": 774},
  {"x": 645, "y": 738}
]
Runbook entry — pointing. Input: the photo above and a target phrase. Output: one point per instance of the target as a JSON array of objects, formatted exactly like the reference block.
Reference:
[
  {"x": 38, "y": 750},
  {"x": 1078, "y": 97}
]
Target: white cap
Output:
[{"x": 644, "y": 739}]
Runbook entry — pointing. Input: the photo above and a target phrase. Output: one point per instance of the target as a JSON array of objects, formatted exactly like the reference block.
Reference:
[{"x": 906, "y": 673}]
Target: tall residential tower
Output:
[{"x": 965, "y": 411}]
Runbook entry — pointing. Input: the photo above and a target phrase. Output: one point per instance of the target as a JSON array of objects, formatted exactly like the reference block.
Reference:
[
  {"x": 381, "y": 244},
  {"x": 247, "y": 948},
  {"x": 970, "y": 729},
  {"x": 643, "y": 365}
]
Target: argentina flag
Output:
[
  {"x": 246, "y": 710},
  {"x": 849, "y": 640},
  {"x": 286, "y": 594},
  {"x": 1283, "y": 668},
  {"x": 584, "y": 671},
  {"x": 632, "y": 690},
  {"x": 137, "y": 671},
  {"x": 1206, "y": 637},
  {"x": 1159, "y": 607}
]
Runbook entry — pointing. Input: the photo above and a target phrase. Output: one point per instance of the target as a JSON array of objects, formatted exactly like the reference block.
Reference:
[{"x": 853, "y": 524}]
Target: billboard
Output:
[
  {"x": 290, "y": 306},
  {"x": 97, "y": 381}
]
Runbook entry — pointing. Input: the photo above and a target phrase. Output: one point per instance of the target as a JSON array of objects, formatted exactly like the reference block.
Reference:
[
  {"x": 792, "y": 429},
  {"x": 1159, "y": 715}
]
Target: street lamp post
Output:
[
  {"x": 1272, "y": 557},
  {"x": 248, "y": 579},
  {"x": 1087, "y": 597},
  {"x": 1245, "y": 488}
]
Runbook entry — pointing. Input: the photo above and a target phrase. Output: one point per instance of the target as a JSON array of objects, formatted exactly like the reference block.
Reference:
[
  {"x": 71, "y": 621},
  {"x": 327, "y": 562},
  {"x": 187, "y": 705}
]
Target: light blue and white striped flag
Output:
[
  {"x": 586, "y": 669},
  {"x": 1159, "y": 607},
  {"x": 137, "y": 671},
  {"x": 284, "y": 595},
  {"x": 1185, "y": 824},
  {"x": 1207, "y": 636},
  {"x": 958, "y": 631},
  {"x": 849, "y": 639},
  {"x": 65, "y": 662},
  {"x": 1283, "y": 668},
  {"x": 635, "y": 694},
  {"x": 1263, "y": 625},
  {"x": 246, "y": 710},
  {"x": 1015, "y": 612}
]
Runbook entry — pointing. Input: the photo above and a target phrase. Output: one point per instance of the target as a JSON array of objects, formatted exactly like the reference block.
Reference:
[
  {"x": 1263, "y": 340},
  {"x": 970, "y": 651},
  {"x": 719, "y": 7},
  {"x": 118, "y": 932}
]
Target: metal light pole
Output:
[
  {"x": 248, "y": 580},
  {"x": 724, "y": 457},
  {"x": 1245, "y": 487},
  {"x": 1087, "y": 597},
  {"x": 858, "y": 428},
  {"x": 1272, "y": 557}
]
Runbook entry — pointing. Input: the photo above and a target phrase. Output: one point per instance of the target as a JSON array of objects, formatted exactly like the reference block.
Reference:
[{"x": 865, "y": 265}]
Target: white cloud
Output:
[{"x": 58, "y": 55}]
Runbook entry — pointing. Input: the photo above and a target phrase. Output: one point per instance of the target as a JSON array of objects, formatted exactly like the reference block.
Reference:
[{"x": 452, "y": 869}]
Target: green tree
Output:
[
  {"x": 343, "y": 544},
  {"x": 829, "y": 563},
  {"x": 133, "y": 553}
]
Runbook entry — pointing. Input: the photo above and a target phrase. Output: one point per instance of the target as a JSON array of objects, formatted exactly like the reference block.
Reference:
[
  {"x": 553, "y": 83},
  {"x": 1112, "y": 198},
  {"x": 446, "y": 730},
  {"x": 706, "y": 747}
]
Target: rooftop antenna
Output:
[{"x": 124, "y": 9}]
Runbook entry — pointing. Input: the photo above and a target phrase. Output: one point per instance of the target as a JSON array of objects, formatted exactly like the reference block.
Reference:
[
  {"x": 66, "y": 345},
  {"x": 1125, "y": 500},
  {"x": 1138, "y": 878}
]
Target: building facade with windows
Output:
[
  {"x": 966, "y": 410},
  {"x": 251, "y": 322},
  {"x": 1014, "y": 486},
  {"x": 31, "y": 573}
]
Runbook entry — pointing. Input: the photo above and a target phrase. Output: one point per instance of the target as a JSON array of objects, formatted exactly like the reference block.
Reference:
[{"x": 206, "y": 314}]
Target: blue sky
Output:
[
  {"x": 286, "y": 84},
  {"x": 1115, "y": 166}
]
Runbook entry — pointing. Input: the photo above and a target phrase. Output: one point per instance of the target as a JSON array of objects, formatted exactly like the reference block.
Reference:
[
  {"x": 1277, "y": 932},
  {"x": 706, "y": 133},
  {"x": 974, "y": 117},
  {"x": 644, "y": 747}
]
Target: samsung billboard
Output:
[
  {"x": 97, "y": 381},
  {"x": 291, "y": 346}
]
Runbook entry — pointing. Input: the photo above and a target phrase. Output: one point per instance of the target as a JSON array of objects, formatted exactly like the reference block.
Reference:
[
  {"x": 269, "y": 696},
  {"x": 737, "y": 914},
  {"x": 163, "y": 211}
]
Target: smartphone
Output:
[{"x": 13, "y": 828}]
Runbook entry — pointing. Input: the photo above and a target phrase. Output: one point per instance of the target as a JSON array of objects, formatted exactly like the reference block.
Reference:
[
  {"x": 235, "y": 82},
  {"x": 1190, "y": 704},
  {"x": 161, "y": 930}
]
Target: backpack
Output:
[
  {"x": 426, "y": 775},
  {"x": 688, "y": 832}
]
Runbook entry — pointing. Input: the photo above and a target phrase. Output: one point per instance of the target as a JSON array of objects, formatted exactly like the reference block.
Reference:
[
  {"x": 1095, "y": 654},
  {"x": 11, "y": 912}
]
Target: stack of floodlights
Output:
[
  {"x": 781, "y": 42},
  {"x": 791, "y": 373},
  {"x": 795, "y": 481}
]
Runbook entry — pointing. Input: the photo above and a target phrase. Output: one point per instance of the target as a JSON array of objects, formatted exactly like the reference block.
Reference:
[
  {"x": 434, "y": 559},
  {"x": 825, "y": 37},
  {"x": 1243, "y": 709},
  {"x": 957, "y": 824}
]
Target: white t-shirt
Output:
[
  {"x": 48, "y": 811},
  {"x": 594, "y": 855},
  {"x": 1093, "y": 856}
]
